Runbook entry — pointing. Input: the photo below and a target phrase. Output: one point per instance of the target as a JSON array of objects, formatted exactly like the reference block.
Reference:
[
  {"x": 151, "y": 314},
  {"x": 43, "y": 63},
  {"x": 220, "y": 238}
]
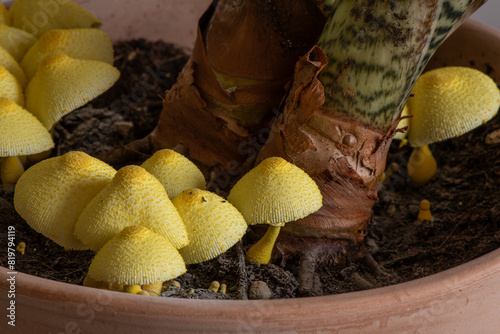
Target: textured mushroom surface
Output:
[
  {"x": 137, "y": 256},
  {"x": 134, "y": 197},
  {"x": 4, "y": 15},
  {"x": 449, "y": 102},
  {"x": 51, "y": 194},
  {"x": 16, "y": 41},
  {"x": 176, "y": 172},
  {"x": 276, "y": 192},
  {"x": 83, "y": 43},
  {"x": 63, "y": 84},
  {"x": 11, "y": 65},
  {"x": 10, "y": 87},
  {"x": 21, "y": 133},
  {"x": 212, "y": 223},
  {"x": 58, "y": 15}
]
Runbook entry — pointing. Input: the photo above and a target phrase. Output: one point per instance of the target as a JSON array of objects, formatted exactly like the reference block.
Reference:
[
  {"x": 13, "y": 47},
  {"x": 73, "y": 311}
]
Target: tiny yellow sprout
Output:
[
  {"x": 223, "y": 288},
  {"x": 21, "y": 247},
  {"x": 214, "y": 286},
  {"x": 425, "y": 211}
]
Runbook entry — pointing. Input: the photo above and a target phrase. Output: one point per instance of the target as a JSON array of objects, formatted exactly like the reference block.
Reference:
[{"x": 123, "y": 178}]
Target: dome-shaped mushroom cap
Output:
[
  {"x": 137, "y": 256},
  {"x": 10, "y": 87},
  {"x": 58, "y": 15},
  {"x": 134, "y": 197},
  {"x": 176, "y": 172},
  {"x": 51, "y": 194},
  {"x": 4, "y": 15},
  {"x": 11, "y": 65},
  {"x": 275, "y": 192},
  {"x": 63, "y": 84},
  {"x": 21, "y": 133},
  {"x": 16, "y": 41},
  {"x": 212, "y": 223},
  {"x": 83, "y": 43},
  {"x": 449, "y": 102}
]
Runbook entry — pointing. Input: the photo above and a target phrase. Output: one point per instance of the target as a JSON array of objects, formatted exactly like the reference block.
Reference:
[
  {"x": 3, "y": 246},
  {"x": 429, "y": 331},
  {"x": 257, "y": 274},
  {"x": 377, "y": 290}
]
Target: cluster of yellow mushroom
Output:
[
  {"x": 147, "y": 222},
  {"x": 446, "y": 102},
  {"x": 46, "y": 72}
]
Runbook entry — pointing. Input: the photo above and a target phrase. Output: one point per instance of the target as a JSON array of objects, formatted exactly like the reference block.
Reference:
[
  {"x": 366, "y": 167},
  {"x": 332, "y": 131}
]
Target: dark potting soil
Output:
[{"x": 464, "y": 197}]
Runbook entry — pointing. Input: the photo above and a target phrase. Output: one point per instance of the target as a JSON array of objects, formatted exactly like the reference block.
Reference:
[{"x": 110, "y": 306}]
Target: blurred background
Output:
[{"x": 489, "y": 14}]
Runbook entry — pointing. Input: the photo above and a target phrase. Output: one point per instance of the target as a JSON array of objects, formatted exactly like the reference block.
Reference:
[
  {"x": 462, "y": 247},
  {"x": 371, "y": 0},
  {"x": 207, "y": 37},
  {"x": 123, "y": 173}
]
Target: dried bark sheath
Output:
[{"x": 212, "y": 121}]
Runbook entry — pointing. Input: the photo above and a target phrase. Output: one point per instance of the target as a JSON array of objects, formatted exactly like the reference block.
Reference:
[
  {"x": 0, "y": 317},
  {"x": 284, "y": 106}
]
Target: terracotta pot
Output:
[{"x": 465, "y": 299}]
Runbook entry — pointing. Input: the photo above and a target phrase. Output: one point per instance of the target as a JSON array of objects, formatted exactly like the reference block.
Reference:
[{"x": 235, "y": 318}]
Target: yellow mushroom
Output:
[
  {"x": 136, "y": 256},
  {"x": 63, "y": 84},
  {"x": 82, "y": 43},
  {"x": 274, "y": 192},
  {"x": 40, "y": 16},
  {"x": 421, "y": 166},
  {"x": 11, "y": 65},
  {"x": 10, "y": 87},
  {"x": 212, "y": 223},
  {"x": 21, "y": 247},
  {"x": 16, "y": 41},
  {"x": 21, "y": 133},
  {"x": 214, "y": 286},
  {"x": 133, "y": 197},
  {"x": 447, "y": 103},
  {"x": 175, "y": 172},
  {"x": 4, "y": 15},
  {"x": 51, "y": 194},
  {"x": 424, "y": 212}
]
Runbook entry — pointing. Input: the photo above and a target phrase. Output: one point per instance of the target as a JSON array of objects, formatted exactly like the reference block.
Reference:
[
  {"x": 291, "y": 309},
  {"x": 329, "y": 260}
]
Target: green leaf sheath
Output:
[{"x": 376, "y": 50}]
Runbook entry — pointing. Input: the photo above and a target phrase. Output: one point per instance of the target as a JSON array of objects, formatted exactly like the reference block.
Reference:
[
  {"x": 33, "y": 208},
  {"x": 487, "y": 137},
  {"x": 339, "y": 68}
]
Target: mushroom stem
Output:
[
  {"x": 422, "y": 166},
  {"x": 135, "y": 289},
  {"x": 262, "y": 250},
  {"x": 154, "y": 289},
  {"x": 11, "y": 170}
]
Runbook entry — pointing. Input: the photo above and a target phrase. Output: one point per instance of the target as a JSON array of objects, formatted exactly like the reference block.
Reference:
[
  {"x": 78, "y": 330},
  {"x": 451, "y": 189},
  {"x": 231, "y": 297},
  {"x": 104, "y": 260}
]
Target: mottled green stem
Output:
[{"x": 377, "y": 49}]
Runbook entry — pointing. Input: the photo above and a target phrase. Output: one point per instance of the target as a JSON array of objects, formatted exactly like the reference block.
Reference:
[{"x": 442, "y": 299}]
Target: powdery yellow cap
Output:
[
  {"x": 10, "y": 87},
  {"x": 134, "y": 197},
  {"x": 16, "y": 41},
  {"x": 11, "y": 65},
  {"x": 21, "y": 133},
  {"x": 51, "y": 194},
  {"x": 212, "y": 223},
  {"x": 449, "y": 102},
  {"x": 4, "y": 15},
  {"x": 137, "y": 256},
  {"x": 40, "y": 16},
  {"x": 176, "y": 172},
  {"x": 63, "y": 84},
  {"x": 83, "y": 43},
  {"x": 275, "y": 192}
]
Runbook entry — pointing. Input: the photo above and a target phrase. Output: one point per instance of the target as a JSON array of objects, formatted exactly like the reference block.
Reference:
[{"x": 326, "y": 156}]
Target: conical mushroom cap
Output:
[
  {"x": 63, "y": 84},
  {"x": 25, "y": 14},
  {"x": 449, "y": 102},
  {"x": 4, "y": 15},
  {"x": 176, "y": 172},
  {"x": 83, "y": 43},
  {"x": 21, "y": 133},
  {"x": 275, "y": 192},
  {"x": 137, "y": 256},
  {"x": 16, "y": 41},
  {"x": 134, "y": 197},
  {"x": 10, "y": 88},
  {"x": 11, "y": 65},
  {"x": 212, "y": 223},
  {"x": 51, "y": 194}
]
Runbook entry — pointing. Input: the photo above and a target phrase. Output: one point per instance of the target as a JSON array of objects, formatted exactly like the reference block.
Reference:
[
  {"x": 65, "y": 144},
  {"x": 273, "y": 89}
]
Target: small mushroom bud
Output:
[
  {"x": 223, "y": 289},
  {"x": 214, "y": 286},
  {"x": 425, "y": 211},
  {"x": 21, "y": 247}
]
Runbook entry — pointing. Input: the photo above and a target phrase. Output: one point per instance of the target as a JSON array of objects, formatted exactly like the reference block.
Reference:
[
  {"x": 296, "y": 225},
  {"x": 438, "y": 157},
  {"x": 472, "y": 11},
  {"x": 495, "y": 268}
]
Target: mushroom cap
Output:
[
  {"x": 449, "y": 102},
  {"x": 57, "y": 14},
  {"x": 212, "y": 223},
  {"x": 133, "y": 197},
  {"x": 51, "y": 194},
  {"x": 21, "y": 133},
  {"x": 63, "y": 84},
  {"x": 10, "y": 87},
  {"x": 275, "y": 192},
  {"x": 176, "y": 172},
  {"x": 16, "y": 41},
  {"x": 137, "y": 256},
  {"x": 11, "y": 65},
  {"x": 4, "y": 15},
  {"x": 405, "y": 122},
  {"x": 82, "y": 43}
]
